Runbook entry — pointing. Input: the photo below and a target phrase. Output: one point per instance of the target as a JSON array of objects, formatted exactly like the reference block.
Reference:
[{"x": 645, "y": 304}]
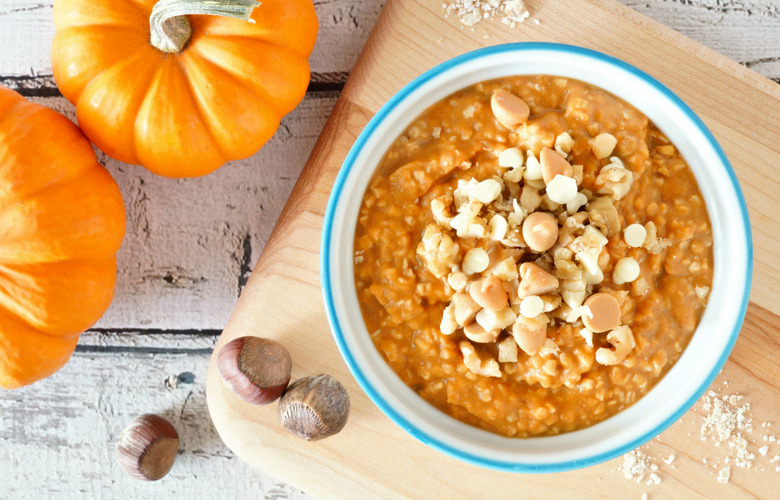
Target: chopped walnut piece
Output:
[
  {"x": 507, "y": 350},
  {"x": 614, "y": 179},
  {"x": 653, "y": 243},
  {"x": 622, "y": 339},
  {"x": 465, "y": 309},
  {"x": 441, "y": 210},
  {"x": 505, "y": 270},
  {"x": 437, "y": 251},
  {"x": 476, "y": 333},
  {"x": 530, "y": 199},
  {"x": 487, "y": 368},
  {"x": 448, "y": 323},
  {"x": 604, "y": 215},
  {"x": 572, "y": 227},
  {"x": 587, "y": 248},
  {"x": 496, "y": 320},
  {"x": 563, "y": 144},
  {"x": 576, "y": 203}
]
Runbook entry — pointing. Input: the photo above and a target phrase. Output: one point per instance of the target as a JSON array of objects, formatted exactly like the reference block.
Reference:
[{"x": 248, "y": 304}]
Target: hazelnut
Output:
[
  {"x": 256, "y": 369},
  {"x": 314, "y": 407},
  {"x": 147, "y": 447}
]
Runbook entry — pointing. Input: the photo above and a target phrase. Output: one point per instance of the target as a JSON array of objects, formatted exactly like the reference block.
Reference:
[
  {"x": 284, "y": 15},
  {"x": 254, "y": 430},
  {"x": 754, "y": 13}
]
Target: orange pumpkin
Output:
[
  {"x": 62, "y": 220},
  {"x": 182, "y": 94}
]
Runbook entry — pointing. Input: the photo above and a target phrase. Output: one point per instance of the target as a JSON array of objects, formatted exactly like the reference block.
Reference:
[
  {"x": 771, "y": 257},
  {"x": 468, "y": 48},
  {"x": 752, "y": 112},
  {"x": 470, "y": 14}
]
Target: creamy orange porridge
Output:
[{"x": 532, "y": 255}]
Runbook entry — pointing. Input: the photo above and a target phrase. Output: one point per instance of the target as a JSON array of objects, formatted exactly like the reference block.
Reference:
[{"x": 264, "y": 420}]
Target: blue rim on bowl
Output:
[{"x": 483, "y": 457}]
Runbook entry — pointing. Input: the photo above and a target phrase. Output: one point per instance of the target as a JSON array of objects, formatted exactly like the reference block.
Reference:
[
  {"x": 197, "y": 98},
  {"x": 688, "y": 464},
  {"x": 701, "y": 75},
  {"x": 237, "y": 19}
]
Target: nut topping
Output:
[
  {"x": 605, "y": 312},
  {"x": 509, "y": 110}
]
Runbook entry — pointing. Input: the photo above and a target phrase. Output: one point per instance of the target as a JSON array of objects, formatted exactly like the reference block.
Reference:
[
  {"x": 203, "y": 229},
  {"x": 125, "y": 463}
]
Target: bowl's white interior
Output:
[{"x": 673, "y": 394}]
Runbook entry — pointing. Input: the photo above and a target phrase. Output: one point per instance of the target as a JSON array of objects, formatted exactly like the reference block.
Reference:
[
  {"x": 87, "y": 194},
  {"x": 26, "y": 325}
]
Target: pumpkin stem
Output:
[{"x": 170, "y": 26}]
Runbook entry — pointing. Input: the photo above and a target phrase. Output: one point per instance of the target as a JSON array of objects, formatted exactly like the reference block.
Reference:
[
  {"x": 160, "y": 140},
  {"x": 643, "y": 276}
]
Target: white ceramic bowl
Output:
[{"x": 684, "y": 383}]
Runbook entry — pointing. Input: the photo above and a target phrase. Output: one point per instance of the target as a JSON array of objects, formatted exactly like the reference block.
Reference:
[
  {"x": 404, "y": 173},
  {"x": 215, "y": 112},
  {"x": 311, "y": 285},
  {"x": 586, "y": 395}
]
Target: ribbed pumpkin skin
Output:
[
  {"x": 185, "y": 114},
  {"x": 61, "y": 223}
]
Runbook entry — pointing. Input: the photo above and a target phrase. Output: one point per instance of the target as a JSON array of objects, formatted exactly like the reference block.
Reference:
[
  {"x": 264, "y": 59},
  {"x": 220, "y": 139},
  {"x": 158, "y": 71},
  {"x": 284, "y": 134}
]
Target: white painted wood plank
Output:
[
  {"x": 747, "y": 31},
  {"x": 191, "y": 242},
  {"x": 57, "y": 437},
  {"x": 26, "y": 32}
]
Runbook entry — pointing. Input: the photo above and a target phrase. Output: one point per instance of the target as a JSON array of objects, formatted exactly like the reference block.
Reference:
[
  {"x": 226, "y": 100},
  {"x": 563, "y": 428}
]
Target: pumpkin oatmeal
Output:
[{"x": 532, "y": 255}]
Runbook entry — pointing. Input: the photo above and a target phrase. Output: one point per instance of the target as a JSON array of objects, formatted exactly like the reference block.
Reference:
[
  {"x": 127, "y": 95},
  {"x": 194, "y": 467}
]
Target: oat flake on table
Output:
[{"x": 470, "y": 12}]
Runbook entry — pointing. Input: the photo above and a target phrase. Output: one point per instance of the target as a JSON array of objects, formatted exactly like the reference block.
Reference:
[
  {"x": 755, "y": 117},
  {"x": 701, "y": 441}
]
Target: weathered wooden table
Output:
[{"x": 189, "y": 248}]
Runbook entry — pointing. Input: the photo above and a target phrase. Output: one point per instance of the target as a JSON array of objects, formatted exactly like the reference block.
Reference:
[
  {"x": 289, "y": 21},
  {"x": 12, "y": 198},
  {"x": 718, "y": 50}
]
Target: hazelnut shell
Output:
[
  {"x": 256, "y": 369},
  {"x": 147, "y": 447},
  {"x": 314, "y": 407}
]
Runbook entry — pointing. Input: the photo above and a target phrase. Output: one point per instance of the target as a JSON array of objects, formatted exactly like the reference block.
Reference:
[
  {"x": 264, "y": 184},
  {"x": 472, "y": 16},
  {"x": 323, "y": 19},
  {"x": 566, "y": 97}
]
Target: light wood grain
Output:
[{"x": 282, "y": 299}]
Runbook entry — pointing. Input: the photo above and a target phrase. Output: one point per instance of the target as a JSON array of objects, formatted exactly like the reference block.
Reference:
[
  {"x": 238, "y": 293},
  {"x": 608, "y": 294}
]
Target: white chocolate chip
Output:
[
  {"x": 562, "y": 189},
  {"x": 702, "y": 291},
  {"x": 531, "y": 306},
  {"x": 533, "y": 169},
  {"x": 486, "y": 191},
  {"x": 510, "y": 158},
  {"x": 635, "y": 235},
  {"x": 498, "y": 227},
  {"x": 626, "y": 271},
  {"x": 476, "y": 260}
]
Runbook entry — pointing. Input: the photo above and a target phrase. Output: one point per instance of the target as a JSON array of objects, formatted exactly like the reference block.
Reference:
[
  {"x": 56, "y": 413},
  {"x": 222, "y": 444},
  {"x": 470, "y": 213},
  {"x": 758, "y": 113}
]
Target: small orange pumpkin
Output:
[
  {"x": 162, "y": 85},
  {"x": 62, "y": 220}
]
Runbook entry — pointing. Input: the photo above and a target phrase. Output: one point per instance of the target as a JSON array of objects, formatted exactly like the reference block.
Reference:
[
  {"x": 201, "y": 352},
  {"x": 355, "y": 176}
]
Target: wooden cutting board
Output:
[{"x": 374, "y": 458}]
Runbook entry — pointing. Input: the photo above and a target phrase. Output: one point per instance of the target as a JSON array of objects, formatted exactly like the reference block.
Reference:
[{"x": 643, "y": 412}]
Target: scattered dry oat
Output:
[
  {"x": 727, "y": 421},
  {"x": 470, "y": 12},
  {"x": 723, "y": 475},
  {"x": 636, "y": 465}
]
